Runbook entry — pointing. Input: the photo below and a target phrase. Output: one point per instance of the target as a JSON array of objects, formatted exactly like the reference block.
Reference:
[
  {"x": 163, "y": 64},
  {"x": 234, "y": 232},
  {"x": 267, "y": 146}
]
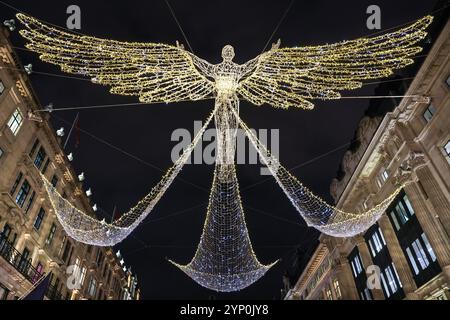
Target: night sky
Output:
[{"x": 173, "y": 229}]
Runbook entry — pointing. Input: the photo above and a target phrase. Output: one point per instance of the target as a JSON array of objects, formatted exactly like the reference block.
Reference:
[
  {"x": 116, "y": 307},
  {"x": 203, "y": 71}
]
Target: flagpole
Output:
[
  {"x": 114, "y": 213},
  {"x": 71, "y": 129}
]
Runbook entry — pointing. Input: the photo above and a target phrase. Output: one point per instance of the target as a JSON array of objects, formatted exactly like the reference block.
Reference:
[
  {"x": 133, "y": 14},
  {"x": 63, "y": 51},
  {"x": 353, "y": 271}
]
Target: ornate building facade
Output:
[
  {"x": 406, "y": 255},
  {"x": 32, "y": 242}
]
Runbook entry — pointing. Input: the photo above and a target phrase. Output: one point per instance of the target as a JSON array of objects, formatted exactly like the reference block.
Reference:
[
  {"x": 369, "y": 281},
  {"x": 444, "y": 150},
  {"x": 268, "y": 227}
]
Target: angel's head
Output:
[{"x": 228, "y": 53}]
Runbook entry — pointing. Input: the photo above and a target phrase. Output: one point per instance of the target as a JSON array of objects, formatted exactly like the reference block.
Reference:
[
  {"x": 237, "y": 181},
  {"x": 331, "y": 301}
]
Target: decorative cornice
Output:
[
  {"x": 401, "y": 114},
  {"x": 416, "y": 160},
  {"x": 4, "y": 56},
  {"x": 406, "y": 171},
  {"x": 408, "y": 112},
  {"x": 21, "y": 88}
]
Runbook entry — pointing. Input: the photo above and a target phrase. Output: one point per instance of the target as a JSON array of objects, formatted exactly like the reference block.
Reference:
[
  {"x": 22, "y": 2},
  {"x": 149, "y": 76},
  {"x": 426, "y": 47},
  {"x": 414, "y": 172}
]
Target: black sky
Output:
[{"x": 117, "y": 179}]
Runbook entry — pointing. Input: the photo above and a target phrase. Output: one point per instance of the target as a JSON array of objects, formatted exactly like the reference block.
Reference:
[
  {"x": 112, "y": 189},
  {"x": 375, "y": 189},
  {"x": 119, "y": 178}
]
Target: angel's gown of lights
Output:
[{"x": 225, "y": 260}]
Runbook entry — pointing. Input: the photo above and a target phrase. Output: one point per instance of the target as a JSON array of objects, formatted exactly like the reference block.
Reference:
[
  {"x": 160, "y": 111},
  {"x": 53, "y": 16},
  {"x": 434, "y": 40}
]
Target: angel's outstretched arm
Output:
[
  {"x": 251, "y": 65},
  {"x": 204, "y": 66}
]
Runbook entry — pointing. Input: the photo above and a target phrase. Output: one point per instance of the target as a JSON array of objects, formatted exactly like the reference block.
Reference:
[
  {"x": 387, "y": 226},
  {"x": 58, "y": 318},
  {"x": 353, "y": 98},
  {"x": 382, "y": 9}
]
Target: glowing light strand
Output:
[
  {"x": 86, "y": 229},
  {"x": 281, "y": 77},
  {"x": 315, "y": 211},
  {"x": 225, "y": 260}
]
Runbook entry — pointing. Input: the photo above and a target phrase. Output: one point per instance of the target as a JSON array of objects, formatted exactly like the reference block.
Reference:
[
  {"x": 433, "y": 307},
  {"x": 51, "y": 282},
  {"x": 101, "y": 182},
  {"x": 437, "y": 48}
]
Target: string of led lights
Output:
[
  {"x": 154, "y": 72},
  {"x": 86, "y": 229},
  {"x": 315, "y": 211},
  {"x": 128, "y": 154},
  {"x": 225, "y": 260},
  {"x": 289, "y": 77},
  {"x": 281, "y": 77}
]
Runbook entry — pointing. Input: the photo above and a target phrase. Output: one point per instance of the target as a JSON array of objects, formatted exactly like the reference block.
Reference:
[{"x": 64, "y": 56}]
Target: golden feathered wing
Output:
[
  {"x": 291, "y": 77},
  {"x": 153, "y": 72}
]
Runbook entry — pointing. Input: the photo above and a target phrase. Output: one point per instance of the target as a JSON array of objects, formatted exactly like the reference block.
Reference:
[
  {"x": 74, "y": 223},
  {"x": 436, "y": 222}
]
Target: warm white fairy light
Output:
[
  {"x": 315, "y": 211},
  {"x": 288, "y": 77},
  {"x": 225, "y": 260},
  {"x": 84, "y": 228}
]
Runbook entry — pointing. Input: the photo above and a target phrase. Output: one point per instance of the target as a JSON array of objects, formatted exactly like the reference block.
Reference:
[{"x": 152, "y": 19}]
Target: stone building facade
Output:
[
  {"x": 406, "y": 255},
  {"x": 32, "y": 242}
]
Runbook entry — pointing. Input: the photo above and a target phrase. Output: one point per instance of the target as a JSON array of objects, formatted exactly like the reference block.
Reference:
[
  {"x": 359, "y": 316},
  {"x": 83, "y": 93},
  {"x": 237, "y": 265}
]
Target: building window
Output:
[
  {"x": 429, "y": 113},
  {"x": 51, "y": 234},
  {"x": 413, "y": 241},
  {"x": 428, "y": 247},
  {"x": 92, "y": 287},
  {"x": 366, "y": 294},
  {"x": 329, "y": 294},
  {"x": 16, "y": 184},
  {"x": 15, "y": 122},
  {"x": 99, "y": 258},
  {"x": 39, "y": 272},
  {"x": 356, "y": 265},
  {"x": 359, "y": 275},
  {"x": 23, "y": 193},
  {"x": 40, "y": 157},
  {"x": 1, "y": 153},
  {"x": 4, "y": 292},
  {"x": 390, "y": 281},
  {"x": 446, "y": 150},
  {"x": 55, "y": 181},
  {"x": 39, "y": 218},
  {"x": 6, "y": 232},
  {"x": 30, "y": 202},
  {"x": 381, "y": 257},
  {"x": 44, "y": 169},
  {"x": 66, "y": 251},
  {"x": 376, "y": 243},
  {"x": 2, "y": 87},
  {"x": 420, "y": 254},
  {"x": 382, "y": 177},
  {"x": 24, "y": 263},
  {"x": 402, "y": 212},
  {"x": 337, "y": 289},
  {"x": 33, "y": 148}
]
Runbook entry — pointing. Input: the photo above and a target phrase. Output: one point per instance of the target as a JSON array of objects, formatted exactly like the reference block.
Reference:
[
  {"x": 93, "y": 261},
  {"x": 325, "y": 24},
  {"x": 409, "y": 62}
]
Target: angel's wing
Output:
[
  {"x": 290, "y": 77},
  {"x": 154, "y": 72}
]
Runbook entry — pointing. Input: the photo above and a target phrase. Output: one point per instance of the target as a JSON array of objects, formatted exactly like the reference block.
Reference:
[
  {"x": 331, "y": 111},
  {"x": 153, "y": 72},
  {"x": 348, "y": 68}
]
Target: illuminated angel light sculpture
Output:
[{"x": 281, "y": 77}]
